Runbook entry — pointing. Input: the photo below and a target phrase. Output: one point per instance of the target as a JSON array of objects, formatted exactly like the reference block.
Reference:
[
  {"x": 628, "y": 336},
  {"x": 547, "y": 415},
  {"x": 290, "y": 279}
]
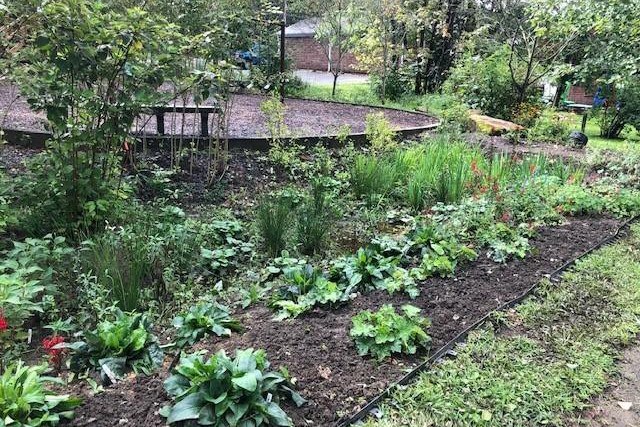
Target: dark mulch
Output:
[
  {"x": 303, "y": 118},
  {"x": 317, "y": 349}
]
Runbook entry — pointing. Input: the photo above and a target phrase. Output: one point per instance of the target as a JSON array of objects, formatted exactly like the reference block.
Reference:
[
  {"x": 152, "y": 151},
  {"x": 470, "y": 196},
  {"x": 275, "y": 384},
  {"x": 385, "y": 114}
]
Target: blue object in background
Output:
[{"x": 599, "y": 99}]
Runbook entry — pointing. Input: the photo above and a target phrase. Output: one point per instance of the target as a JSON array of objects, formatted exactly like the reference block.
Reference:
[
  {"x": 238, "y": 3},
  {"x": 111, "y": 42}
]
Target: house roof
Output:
[{"x": 304, "y": 28}]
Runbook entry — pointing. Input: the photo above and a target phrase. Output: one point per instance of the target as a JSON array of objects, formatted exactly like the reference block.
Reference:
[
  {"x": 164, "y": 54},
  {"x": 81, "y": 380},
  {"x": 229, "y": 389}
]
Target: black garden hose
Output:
[{"x": 444, "y": 350}]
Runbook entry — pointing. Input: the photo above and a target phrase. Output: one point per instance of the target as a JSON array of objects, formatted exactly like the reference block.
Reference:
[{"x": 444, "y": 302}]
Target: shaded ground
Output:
[
  {"x": 620, "y": 405},
  {"x": 317, "y": 349},
  {"x": 502, "y": 144},
  {"x": 303, "y": 118}
]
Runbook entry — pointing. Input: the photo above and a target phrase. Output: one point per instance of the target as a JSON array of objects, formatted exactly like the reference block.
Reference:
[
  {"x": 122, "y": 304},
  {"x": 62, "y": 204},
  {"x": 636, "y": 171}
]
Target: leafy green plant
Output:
[
  {"x": 117, "y": 347},
  {"x": 576, "y": 200},
  {"x": 367, "y": 269},
  {"x": 504, "y": 242},
  {"x": 208, "y": 318},
  {"x": 25, "y": 400},
  {"x": 228, "y": 392},
  {"x": 379, "y": 133},
  {"x": 550, "y": 126},
  {"x": 273, "y": 218},
  {"x": 384, "y": 332},
  {"x": 441, "y": 258},
  {"x": 304, "y": 289}
]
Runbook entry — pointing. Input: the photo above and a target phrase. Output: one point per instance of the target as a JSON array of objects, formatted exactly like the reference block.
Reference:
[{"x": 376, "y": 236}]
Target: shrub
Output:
[
  {"x": 208, "y": 318},
  {"x": 273, "y": 218},
  {"x": 117, "y": 347},
  {"x": 455, "y": 118},
  {"x": 614, "y": 116},
  {"x": 484, "y": 83},
  {"x": 228, "y": 392},
  {"x": 550, "y": 126},
  {"x": 379, "y": 133},
  {"x": 25, "y": 401},
  {"x": 396, "y": 85},
  {"x": 385, "y": 332}
]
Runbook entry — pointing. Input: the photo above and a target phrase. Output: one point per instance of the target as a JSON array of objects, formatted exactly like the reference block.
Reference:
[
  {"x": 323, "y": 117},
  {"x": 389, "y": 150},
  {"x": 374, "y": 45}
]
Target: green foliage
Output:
[
  {"x": 614, "y": 116},
  {"x": 92, "y": 70},
  {"x": 117, "y": 347},
  {"x": 551, "y": 126},
  {"x": 372, "y": 177},
  {"x": 305, "y": 288},
  {"x": 394, "y": 86},
  {"x": 442, "y": 258},
  {"x": 228, "y": 392},
  {"x": 484, "y": 83},
  {"x": 455, "y": 118},
  {"x": 25, "y": 400},
  {"x": 379, "y": 133},
  {"x": 207, "y": 318},
  {"x": 365, "y": 270},
  {"x": 273, "y": 218},
  {"x": 121, "y": 266},
  {"x": 384, "y": 332},
  {"x": 577, "y": 200},
  {"x": 314, "y": 219},
  {"x": 557, "y": 352},
  {"x": 504, "y": 242}
]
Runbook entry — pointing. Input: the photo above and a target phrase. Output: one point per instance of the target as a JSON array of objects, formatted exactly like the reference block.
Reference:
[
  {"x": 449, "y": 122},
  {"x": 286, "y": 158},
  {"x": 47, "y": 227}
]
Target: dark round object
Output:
[{"x": 578, "y": 139}]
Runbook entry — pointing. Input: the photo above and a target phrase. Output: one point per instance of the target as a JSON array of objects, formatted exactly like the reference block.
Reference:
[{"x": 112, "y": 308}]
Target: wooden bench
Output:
[{"x": 204, "y": 111}]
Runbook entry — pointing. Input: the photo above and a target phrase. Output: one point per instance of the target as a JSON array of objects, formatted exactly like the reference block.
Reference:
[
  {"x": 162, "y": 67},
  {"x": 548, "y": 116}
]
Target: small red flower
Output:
[
  {"x": 506, "y": 217},
  {"x": 54, "y": 349},
  {"x": 4, "y": 325}
]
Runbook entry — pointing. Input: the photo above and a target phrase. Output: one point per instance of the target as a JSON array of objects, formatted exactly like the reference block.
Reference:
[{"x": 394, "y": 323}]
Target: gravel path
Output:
[{"x": 303, "y": 118}]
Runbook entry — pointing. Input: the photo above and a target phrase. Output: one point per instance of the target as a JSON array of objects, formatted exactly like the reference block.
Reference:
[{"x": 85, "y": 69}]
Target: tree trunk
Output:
[{"x": 335, "y": 82}]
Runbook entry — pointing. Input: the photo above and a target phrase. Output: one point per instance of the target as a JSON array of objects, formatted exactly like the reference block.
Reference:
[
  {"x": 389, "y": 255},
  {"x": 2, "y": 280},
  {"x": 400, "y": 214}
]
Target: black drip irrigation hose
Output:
[{"x": 372, "y": 406}]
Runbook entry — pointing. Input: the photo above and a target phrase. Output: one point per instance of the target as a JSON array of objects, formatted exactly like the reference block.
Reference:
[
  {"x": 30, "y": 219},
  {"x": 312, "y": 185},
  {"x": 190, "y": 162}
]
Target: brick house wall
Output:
[
  {"x": 306, "y": 53},
  {"x": 580, "y": 95}
]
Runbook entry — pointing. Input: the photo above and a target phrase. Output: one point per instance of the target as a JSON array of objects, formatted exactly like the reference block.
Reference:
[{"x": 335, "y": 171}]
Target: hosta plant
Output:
[
  {"x": 204, "y": 319},
  {"x": 26, "y": 402},
  {"x": 384, "y": 332},
  {"x": 226, "y": 392},
  {"x": 117, "y": 347},
  {"x": 441, "y": 258}
]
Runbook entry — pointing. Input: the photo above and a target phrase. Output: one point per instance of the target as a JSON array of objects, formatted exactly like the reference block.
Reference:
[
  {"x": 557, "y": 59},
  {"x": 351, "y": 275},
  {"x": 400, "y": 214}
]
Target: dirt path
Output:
[{"x": 620, "y": 405}]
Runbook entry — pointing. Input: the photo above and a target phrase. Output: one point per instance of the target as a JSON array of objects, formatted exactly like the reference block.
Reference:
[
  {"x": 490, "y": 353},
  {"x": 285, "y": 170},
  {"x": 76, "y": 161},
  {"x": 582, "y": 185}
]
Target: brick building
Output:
[{"x": 307, "y": 53}]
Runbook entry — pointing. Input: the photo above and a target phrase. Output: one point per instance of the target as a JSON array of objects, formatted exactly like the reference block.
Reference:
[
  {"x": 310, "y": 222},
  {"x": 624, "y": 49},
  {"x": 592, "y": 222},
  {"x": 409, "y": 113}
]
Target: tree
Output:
[{"x": 335, "y": 32}]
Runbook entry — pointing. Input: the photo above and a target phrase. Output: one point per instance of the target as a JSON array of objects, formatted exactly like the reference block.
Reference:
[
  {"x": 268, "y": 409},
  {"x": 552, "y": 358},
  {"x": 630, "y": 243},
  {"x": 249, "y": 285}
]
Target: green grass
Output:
[
  {"x": 541, "y": 364},
  {"x": 630, "y": 140},
  {"x": 361, "y": 93}
]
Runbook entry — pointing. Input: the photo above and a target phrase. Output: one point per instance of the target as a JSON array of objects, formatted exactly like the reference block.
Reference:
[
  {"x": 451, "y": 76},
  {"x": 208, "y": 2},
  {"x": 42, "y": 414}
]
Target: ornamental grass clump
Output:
[
  {"x": 225, "y": 392},
  {"x": 273, "y": 219}
]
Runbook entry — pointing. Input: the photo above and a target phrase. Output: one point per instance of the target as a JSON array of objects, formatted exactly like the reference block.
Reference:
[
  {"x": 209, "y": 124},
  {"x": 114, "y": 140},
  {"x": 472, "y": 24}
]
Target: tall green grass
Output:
[
  {"x": 273, "y": 219},
  {"x": 445, "y": 169}
]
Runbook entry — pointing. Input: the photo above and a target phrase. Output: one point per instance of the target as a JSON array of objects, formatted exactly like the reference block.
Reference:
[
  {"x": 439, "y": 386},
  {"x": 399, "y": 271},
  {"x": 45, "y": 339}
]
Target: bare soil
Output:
[
  {"x": 318, "y": 352},
  {"x": 303, "y": 118}
]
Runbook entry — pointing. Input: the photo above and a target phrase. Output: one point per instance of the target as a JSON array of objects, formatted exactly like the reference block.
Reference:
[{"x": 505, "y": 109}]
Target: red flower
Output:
[
  {"x": 4, "y": 325},
  {"x": 506, "y": 217},
  {"x": 53, "y": 348}
]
